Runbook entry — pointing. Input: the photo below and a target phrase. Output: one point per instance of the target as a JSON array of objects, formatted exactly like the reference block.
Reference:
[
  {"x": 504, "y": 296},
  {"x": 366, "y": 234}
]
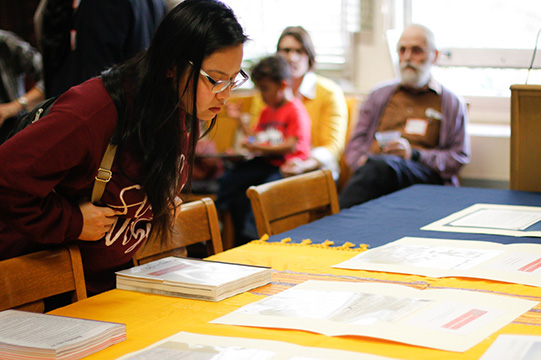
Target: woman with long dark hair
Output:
[{"x": 150, "y": 108}]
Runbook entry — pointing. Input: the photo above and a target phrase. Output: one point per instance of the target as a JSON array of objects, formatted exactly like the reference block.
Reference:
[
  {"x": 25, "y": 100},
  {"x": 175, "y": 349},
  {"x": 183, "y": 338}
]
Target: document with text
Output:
[
  {"x": 452, "y": 320},
  {"x": 186, "y": 345},
  {"x": 508, "y": 220},
  {"x": 514, "y": 263},
  {"x": 516, "y": 347}
]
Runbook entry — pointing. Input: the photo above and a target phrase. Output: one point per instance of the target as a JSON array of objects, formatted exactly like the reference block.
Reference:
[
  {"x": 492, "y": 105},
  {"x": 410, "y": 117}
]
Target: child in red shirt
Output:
[{"x": 282, "y": 133}]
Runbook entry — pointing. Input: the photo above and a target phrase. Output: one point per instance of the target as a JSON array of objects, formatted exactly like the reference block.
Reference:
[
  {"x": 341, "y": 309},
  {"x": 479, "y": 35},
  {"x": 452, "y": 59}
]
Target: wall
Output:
[{"x": 489, "y": 118}]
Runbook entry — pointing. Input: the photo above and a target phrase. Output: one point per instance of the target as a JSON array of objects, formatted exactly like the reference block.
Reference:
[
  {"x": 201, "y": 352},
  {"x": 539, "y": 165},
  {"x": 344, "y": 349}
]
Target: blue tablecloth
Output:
[{"x": 404, "y": 212}]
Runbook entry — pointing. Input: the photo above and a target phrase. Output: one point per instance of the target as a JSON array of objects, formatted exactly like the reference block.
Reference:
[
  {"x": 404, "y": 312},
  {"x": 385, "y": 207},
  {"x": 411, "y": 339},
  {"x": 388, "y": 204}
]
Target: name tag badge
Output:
[{"x": 416, "y": 126}]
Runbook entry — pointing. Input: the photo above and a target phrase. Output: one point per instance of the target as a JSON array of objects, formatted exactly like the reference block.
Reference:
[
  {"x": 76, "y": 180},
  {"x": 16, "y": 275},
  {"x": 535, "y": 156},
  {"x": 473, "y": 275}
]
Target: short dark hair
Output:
[
  {"x": 302, "y": 36},
  {"x": 274, "y": 68}
]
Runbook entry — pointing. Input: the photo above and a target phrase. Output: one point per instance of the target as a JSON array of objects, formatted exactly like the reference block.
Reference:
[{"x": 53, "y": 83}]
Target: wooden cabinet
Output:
[{"x": 525, "y": 138}]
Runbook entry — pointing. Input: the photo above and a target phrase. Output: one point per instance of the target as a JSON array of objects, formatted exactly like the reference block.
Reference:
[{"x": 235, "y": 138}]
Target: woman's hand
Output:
[
  {"x": 176, "y": 209},
  {"x": 9, "y": 110},
  {"x": 97, "y": 221},
  {"x": 297, "y": 166}
]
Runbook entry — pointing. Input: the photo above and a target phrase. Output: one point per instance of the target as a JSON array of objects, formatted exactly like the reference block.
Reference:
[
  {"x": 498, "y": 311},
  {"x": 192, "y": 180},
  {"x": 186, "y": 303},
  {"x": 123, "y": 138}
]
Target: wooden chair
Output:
[
  {"x": 26, "y": 280},
  {"x": 196, "y": 222},
  {"x": 284, "y": 204}
]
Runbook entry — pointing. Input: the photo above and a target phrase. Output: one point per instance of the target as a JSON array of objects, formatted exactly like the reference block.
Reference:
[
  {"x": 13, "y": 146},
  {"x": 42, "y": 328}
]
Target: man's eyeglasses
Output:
[
  {"x": 220, "y": 85},
  {"x": 415, "y": 50}
]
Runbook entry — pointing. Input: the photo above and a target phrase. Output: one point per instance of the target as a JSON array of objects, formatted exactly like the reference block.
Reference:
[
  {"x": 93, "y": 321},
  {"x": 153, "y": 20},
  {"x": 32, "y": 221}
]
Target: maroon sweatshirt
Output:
[{"x": 46, "y": 169}]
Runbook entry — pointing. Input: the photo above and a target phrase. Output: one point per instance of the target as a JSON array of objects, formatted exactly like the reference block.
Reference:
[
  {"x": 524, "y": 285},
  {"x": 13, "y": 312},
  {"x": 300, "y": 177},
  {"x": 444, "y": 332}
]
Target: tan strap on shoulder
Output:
[{"x": 104, "y": 173}]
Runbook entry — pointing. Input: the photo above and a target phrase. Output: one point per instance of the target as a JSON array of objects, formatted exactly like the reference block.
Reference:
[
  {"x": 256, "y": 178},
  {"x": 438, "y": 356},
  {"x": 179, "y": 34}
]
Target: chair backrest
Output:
[
  {"x": 196, "y": 222},
  {"x": 284, "y": 204},
  {"x": 26, "y": 280}
]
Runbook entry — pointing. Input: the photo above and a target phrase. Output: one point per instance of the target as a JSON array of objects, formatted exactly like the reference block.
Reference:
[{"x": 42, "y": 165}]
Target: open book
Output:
[
  {"x": 26, "y": 335},
  {"x": 193, "y": 278}
]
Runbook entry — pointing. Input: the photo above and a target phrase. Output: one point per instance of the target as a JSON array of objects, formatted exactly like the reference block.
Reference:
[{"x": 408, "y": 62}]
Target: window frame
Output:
[
  {"x": 483, "y": 109},
  {"x": 335, "y": 64}
]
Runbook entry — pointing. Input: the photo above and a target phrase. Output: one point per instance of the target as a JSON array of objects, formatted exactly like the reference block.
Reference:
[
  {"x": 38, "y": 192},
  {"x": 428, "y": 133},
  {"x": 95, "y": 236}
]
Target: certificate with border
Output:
[{"x": 508, "y": 220}]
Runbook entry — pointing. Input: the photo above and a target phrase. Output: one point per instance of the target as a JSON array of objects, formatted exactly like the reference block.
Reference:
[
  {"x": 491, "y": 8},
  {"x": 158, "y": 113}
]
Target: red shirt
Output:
[
  {"x": 289, "y": 120},
  {"x": 50, "y": 166}
]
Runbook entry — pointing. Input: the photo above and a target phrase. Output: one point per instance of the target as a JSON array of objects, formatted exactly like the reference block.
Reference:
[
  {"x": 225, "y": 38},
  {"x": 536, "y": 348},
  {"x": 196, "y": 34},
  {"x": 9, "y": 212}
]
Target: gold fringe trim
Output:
[{"x": 307, "y": 242}]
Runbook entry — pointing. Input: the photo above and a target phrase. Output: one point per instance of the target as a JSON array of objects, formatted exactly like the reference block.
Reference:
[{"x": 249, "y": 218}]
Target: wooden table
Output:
[{"x": 150, "y": 318}]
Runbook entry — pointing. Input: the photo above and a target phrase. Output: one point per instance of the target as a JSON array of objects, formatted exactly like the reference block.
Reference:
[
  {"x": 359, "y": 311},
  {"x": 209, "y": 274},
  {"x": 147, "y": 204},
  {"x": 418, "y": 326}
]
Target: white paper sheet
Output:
[
  {"x": 516, "y": 347},
  {"x": 509, "y": 220},
  {"x": 515, "y": 263},
  {"x": 452, "y": 320},
  {"x": 207, "y": 347}
]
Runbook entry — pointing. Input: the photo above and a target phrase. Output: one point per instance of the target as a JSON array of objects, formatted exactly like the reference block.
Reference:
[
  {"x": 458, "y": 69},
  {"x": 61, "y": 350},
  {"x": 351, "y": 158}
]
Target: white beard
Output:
[{"x": 415, "y": 76}]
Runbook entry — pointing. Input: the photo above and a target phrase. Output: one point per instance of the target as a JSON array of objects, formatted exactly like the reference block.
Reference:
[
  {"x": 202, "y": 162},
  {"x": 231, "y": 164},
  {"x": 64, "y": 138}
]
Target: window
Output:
[
  {"x": 330, "y": 25},
  {"x": 486, "y": 45}
]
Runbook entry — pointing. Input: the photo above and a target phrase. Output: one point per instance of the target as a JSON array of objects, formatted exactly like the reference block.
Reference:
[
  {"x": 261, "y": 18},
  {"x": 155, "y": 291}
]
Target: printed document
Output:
[
  {"x": 516, "y": 347},
  {"x": 515, "y": 263},
  {"x": 207, "y": 347},
  {"x": 452, "y": 320},
  {"x": 509, "y": 220}
]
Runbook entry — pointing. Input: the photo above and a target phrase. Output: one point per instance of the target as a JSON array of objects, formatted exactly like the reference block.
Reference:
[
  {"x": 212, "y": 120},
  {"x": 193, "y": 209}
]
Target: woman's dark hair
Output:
[
  {"x": 274, "y": 68},
  {"x": 147, "y": 96},
  {"x": 304, "y": 39}
]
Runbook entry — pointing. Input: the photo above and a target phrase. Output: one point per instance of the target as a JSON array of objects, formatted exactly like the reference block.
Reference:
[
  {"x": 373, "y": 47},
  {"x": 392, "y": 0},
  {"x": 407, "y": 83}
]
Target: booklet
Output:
[
  {"x": 184, "y": 345},
  {"x": 515, "y": 263},
  {"x": 193, "y": 278},
  {"x": 445, "y": 319},
  {"x": 26, "y": 335}
]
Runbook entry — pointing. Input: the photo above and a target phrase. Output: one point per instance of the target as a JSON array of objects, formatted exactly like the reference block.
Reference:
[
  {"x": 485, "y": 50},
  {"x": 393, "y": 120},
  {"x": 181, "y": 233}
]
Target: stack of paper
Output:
[
  {"x": 26, "y": 335},
  {"x": 193, "y": 278}
]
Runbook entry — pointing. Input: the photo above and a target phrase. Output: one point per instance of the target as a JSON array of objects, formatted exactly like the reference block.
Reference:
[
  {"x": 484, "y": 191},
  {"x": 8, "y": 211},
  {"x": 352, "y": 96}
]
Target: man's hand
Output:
[
  {"x": 399, "y": 147},
  {"x": 97, "y": 221}
]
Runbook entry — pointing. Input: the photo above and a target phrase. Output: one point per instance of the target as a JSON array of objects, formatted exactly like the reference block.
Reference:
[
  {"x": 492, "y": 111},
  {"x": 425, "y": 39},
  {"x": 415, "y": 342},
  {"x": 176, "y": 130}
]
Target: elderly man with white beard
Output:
[{"x": 411, "y": 130}]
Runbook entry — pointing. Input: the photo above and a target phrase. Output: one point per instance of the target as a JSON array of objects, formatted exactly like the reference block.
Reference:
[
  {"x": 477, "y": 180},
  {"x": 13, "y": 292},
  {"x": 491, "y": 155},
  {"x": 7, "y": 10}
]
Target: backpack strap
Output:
[{"x": 104, "y": 173}]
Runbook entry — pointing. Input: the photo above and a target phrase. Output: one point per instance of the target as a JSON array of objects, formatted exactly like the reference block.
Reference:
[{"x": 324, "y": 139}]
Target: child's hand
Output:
[{"x": 248, "y": 144}]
